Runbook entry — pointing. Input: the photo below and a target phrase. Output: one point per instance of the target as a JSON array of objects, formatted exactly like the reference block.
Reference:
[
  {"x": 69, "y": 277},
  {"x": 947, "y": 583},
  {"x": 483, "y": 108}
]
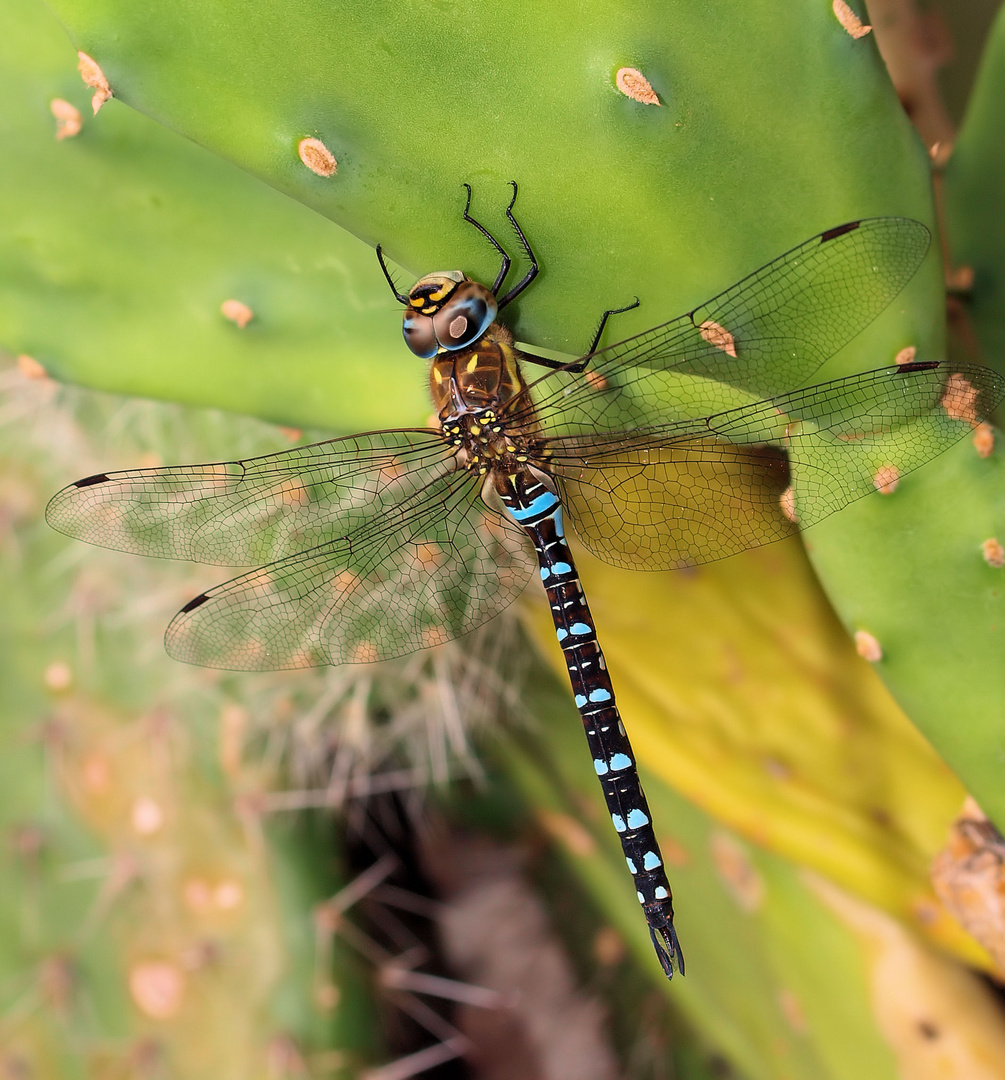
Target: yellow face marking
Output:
[
  {"x": 438, "y": 295},
  {"x": 472, "y": 363}
]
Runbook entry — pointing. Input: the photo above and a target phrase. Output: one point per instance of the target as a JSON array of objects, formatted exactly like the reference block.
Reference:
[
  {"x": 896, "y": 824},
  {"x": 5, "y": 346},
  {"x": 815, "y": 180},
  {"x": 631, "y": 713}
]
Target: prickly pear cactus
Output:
[
  {"x": 948, "y": 529},
  {"x": 672, "y": 195},
  {"x": 662, "y": 156},
  {"x": 151, "y": 921},
  {"x": 973, "y": 201},
  {"x": 125, "y": 225}
]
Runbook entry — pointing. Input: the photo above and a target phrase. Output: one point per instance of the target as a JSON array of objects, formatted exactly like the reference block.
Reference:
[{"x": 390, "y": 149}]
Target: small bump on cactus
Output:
[{"x": 94, "y": 77}]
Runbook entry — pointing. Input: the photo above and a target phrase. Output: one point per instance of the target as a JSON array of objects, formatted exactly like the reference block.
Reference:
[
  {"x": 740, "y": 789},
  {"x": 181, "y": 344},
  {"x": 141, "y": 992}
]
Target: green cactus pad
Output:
[
  {"x": 974, "y": 201},
  {"x": 671, "y": 202},
  {"x": 118, "y": 247}
]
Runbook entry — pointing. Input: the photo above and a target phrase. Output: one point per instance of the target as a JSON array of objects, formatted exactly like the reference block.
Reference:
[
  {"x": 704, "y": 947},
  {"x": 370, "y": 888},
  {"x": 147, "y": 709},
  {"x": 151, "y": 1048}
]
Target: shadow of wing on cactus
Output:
[{"x": 687, "y": 443}]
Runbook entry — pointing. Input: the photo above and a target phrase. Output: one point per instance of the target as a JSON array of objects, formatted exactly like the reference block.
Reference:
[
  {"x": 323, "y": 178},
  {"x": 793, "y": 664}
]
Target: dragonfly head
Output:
[{"x": 446, "y": 312}]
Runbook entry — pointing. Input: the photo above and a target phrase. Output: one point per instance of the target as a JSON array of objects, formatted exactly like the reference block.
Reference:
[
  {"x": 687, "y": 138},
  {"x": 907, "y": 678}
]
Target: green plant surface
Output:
[
  {"x": 685, "y": 193},
  {"x": 670, "y": 202},
  {"x": 974, "y": 203},
  {"x": 909, "y": 568},
  {"x": 968, "y": 25},
  {"x": 786, "y": 974},
  {"x": 118, "y": 247}
]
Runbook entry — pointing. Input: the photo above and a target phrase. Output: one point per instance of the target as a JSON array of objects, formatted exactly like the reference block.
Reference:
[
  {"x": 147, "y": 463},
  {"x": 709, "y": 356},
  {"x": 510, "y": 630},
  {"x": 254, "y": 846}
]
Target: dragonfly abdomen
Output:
[{"x": 537, "y": 509}]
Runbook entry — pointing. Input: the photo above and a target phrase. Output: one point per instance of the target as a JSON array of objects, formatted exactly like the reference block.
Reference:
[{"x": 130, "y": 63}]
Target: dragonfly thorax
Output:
[
  {"x": 483, "y": 443},
  {"x": 471, "y": 389}
]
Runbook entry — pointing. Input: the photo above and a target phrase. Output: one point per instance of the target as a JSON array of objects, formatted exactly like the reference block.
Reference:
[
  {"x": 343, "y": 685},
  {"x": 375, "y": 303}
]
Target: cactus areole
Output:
[{"x": 380, "y": 544}]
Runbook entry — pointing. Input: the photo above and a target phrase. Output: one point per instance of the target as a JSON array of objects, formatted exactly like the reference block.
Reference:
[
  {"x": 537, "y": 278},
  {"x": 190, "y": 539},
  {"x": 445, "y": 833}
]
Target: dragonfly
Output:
[{"x": 690, "y": 442}]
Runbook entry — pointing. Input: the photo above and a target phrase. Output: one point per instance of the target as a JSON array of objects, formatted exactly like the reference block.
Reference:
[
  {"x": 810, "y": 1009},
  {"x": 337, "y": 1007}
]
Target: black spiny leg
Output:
[
  {"x": 504, "y": 269},
  {"x": 532, "y": 272},
  {"x": 400, "y": 297},
  {"x": 580, "y": 364},
  {"x": 603, "y": 322},
  {"x": 506, "y": 261}
]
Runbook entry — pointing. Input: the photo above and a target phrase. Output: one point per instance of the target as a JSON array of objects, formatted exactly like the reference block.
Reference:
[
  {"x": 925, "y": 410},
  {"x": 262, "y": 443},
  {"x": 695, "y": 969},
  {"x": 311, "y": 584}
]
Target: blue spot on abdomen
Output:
[{"x": 540, "y": 505}]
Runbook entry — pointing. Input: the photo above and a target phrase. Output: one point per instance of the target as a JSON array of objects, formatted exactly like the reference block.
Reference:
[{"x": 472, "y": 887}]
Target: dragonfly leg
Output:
[
  {"x": 581, "y": 365},
  {"x": 603, "y": 323},
  {"x": 532, "y": 272},
  {"x": 400, "y": 297},
  {"x": 504, "y": 269}
]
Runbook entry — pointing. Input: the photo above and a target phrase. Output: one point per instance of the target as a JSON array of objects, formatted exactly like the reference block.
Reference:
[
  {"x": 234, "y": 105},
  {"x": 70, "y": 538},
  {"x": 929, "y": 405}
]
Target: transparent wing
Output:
[
  {"x": 244, "y": 513},
  {"x": 663, "y": 508},
  {"x": 411, "y": 575},
  {"x": 679, "y": 494},
  {"x": 764, "y": 335}
]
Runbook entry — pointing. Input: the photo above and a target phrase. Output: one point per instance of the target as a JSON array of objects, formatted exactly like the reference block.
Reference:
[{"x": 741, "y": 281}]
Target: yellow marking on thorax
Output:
[
  {"x": 472, "y": 363},
  {"x": 512, "y": 365}
]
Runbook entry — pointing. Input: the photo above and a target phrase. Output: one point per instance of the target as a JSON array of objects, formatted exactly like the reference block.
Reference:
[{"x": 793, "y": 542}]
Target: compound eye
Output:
[
  {"x": 465, "y": 316},
  {"x": 418, "y": 333}
]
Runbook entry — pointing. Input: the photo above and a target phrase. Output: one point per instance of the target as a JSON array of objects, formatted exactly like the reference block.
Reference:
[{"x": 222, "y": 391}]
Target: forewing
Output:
[
  {"x": 764, "y": 335},
  {"x": 412, "y": 575},
  {"x": 242, "y": 513},
  {"x": 680, "y": 494}
]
